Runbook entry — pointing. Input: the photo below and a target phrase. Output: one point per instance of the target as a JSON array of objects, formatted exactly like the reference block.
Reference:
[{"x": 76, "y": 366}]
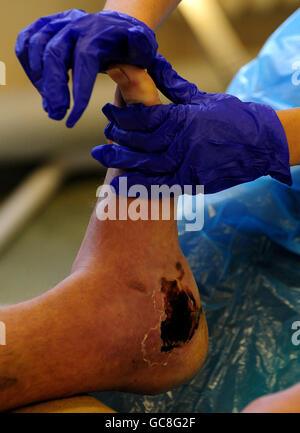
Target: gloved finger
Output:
[
  {"x": 140, "y": 50},
  {"x": 22, "y": 43},
  {"x": 88, "y": 61},
  {"x": 39, "y": 41},
  {"x": 114, "y": 156},
  {"x": 125, "y": 42},
  {"x": 148, "y": 181},
  {"x": 57, "y": 62},
  {"x": 37, "y": 45},
  {"x": 157, "y": 141},
  {"x": 172, "y": 85},
  {"x": 137, "y": 117},
  {"x": 85, "y": 71}
]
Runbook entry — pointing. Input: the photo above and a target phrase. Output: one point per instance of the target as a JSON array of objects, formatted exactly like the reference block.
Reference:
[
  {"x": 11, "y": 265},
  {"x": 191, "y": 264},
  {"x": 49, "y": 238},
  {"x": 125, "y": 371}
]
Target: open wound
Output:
[{"x": 182, "y": 313}]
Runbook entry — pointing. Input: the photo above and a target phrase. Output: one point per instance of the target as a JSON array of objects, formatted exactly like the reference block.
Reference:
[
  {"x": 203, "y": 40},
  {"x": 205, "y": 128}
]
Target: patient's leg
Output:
[
  {"x": 78, "y": 404},
  {"x": 127, "y": 318}
]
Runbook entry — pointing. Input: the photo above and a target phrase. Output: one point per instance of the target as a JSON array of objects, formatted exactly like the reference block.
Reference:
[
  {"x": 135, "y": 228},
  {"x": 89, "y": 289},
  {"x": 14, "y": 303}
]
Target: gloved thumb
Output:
[
  {"x": 142, "y": 46},
  {"x": 172, "y": 85}
]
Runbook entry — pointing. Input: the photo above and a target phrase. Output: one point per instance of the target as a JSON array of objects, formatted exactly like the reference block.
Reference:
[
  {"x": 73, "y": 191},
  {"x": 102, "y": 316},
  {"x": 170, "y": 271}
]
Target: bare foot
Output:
[
  {"x": 128, "y": 318},
  {"x": 169, "y": 326}
]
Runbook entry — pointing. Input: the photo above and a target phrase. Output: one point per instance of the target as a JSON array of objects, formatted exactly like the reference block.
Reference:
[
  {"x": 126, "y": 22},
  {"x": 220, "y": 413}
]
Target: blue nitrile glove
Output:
[
  {"x": 214, "y": 140},
  {"x": 87, "y": 43}
]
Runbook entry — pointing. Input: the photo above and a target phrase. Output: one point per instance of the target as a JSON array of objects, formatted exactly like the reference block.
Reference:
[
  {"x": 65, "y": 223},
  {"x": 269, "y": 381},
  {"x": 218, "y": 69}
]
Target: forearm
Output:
[
  {"x": 290, "y": 120},
  {"x": 286, "y": 401},
  {"x": 152, "y": 13}
]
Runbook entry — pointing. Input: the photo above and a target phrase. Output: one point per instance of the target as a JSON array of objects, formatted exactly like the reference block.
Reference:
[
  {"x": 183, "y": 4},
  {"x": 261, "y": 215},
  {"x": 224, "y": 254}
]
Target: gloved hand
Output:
[
  {"x": 214, "y": 140},
  {"x": 87, "y": 43}
]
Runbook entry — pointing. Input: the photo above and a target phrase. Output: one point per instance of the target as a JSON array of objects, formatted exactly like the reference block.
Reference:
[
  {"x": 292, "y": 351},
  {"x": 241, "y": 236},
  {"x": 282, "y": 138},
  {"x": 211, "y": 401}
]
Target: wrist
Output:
[
  {"x": 150, "y": 12},
  {"x": 290, "y": 120},
  {"x": 131, "y": 11},
  {"x": 131, "y": 19}
]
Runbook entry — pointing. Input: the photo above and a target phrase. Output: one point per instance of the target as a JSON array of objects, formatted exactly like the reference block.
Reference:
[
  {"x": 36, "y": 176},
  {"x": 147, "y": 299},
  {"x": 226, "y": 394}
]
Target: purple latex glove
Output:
[
  {"x": 86, "y": 43},
  {"x": 214, "y": 140}
]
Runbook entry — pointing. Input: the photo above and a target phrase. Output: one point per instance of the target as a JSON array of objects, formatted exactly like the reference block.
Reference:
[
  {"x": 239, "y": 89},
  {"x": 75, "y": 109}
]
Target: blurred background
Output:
[{"x": 48, "y": 181}]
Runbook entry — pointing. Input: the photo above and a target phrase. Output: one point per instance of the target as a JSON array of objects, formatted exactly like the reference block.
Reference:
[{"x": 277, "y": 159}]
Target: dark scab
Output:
[{"x": 182, "y": 313}]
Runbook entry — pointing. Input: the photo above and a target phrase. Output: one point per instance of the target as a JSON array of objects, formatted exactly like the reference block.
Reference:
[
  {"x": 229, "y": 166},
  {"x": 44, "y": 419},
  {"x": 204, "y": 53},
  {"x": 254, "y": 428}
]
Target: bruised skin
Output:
[{"x": 127, "y": 318}]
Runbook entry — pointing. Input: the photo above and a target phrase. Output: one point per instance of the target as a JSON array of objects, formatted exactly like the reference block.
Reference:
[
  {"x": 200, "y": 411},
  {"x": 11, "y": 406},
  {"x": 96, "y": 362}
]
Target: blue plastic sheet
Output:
[{"x": 247, "y": 266}]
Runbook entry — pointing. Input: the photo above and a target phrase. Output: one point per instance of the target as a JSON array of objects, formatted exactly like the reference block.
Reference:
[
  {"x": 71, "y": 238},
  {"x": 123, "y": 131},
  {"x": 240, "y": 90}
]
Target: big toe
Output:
[{"x": 135, "y": 84}]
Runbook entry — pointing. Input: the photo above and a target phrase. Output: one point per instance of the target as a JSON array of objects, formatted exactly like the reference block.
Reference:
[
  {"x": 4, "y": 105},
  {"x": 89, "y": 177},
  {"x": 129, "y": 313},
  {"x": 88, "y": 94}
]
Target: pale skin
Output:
[
  {"x": 152, "y": 13},
  {"x": 100, "y": 328}
]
